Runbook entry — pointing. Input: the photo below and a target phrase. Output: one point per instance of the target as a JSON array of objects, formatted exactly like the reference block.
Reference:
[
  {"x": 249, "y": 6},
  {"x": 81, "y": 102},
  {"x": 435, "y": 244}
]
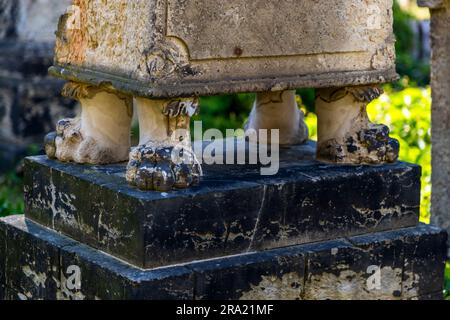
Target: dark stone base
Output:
[
  {"x": 234, "y": 210},
  {"x": 36, "y": 263}
]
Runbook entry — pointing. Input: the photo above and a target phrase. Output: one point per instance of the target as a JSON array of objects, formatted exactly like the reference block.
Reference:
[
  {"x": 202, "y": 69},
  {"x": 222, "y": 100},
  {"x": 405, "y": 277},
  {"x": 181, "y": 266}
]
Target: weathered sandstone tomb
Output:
[{"x": 161, "y": 51}]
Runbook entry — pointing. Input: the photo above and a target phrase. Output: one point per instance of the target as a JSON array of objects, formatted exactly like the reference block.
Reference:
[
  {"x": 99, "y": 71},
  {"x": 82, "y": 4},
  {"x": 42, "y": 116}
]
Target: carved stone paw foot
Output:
[
  {"x": 70, "y": 143},
  {"x": 51, "y": 139},
  {"x": 345, "y": 133},
  {"x": 371, "y": 146},
  {"x": 101, "y": 134},
  {"x": 164, "y": 160},
  {"x": 63, "y": 144},
  {"x": 377, "y": 142},
  {"x": 163, "y": 168}
]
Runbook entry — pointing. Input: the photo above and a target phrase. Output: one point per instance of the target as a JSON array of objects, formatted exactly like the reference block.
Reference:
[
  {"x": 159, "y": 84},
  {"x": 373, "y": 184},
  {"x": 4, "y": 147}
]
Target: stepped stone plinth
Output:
[
  {"x": 313, "y": 231},
  {"x": 233, "y": 211},
  {"x": 338, "y": 220},
  {"x": 38, "y": 263}
]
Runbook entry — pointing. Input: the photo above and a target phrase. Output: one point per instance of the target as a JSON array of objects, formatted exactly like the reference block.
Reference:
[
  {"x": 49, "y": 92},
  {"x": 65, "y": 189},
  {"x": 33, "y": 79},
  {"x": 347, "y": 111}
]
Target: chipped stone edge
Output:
[{"x": 189, "y": 89}]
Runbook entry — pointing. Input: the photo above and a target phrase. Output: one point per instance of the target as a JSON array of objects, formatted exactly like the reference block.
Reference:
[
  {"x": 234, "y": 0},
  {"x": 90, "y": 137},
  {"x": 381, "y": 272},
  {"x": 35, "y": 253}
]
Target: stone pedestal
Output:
[
  {"x": 37, "y": 263},
  {"x": 233, "y": 211},
  {"x": 313, "y": 231},
  {"x": 336, "y": 229}
]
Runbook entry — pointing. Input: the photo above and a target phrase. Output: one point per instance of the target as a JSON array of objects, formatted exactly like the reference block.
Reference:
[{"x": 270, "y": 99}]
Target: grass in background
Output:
[{"x": 11, "y": 186}]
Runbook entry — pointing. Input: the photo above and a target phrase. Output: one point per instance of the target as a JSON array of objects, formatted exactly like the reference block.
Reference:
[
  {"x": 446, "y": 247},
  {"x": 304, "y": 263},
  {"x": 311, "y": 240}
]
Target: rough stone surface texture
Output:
[
  {"x": 234, "y": 209},
  {"x": 164, "y": 159},
  {"x": 36, "y": 263},
  {"x": 440, "y": 82},
  {"x": 100, "y": 135},
  {"x": 278, "y": 110},
  {"x": 345, "y": 133},
  {"x": 189, "y": 43}
]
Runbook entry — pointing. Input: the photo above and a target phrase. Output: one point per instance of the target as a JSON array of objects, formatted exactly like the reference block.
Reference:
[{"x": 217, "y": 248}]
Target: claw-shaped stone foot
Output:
[
  {"x": 368, "y": 146},
  {"x": 163, "y": 168},
  {"x": 64, "y": 143},
  {"x": 345, "y": 133},
  {"x": 164, "y": 160},
  {"x": 101, "y": 135}
]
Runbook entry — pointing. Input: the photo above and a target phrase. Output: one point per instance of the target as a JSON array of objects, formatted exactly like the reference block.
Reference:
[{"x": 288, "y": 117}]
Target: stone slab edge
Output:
[
  {"x": 136, "y": 88},
  {"x": 294, "y": 267}
]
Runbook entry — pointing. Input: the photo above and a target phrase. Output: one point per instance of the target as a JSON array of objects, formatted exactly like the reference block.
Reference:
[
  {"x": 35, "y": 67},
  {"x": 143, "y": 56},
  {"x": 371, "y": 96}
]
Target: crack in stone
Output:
[{"x": 258, "y": 219}]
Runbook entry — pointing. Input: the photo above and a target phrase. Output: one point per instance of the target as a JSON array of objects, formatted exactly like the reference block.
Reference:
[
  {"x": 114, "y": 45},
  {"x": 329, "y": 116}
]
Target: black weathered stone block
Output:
[
  {"x": 42, "y": 264},
  {"x": 380, "y": 254},
  {"x": 334, "y": 270},
  {"x": 32, "y": 258},
  {"x": 346, "y": 271},
  {"x": 274, "y": 274},
  {"x": 338, "y": 269},
  {"x": 2, "y": 292},
  {"x": 425, "y": 256},
  {"x": 377, "y": 266},
  {"x": 15, "y": 295},
  {"x": 234, "y": 210},
  {"x": 107, "y": 278},
  {"x": 2, "y": 257}
]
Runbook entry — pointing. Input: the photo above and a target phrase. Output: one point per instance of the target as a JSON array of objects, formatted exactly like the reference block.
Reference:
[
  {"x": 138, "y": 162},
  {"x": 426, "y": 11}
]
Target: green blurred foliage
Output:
[
  {"x": 418, "y": 71},
  {"x": 308, "y": 99},
  {"x": 11, "y": 194},
  {"x": 408, "y": 115},
  {"x": 225, "y": 112},
  {"x": 11, "y": 186}
]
